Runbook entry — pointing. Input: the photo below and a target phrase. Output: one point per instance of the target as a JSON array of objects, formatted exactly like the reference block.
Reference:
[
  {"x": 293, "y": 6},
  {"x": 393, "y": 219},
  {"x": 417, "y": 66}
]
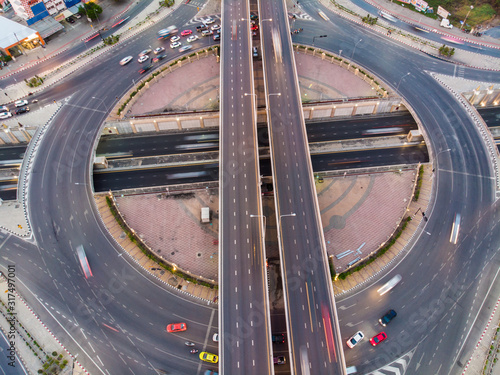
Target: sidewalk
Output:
[{"x": 32, "y": 339}]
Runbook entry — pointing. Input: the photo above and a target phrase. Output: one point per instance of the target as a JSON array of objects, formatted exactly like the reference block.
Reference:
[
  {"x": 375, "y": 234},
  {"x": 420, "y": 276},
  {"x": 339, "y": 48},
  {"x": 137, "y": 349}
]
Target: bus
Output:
[
  {"x": 389, "y": 285},
  {"x": 168, "y": 32},
  {"x": 455, "y": 228},
  {"x": 323, "y": 15}
]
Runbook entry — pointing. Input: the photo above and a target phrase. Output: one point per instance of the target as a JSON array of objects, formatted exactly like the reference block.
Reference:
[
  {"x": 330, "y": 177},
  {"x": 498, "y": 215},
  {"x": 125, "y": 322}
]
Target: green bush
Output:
[
  {"x": 420, "y": 178},
  {"x": 145, "y": 250},
  {"x": 380, "y": 252}
]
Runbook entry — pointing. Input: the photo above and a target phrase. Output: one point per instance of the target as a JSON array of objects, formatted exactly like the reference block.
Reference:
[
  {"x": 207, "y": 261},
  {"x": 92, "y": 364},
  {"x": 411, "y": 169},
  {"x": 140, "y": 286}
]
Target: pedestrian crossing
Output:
[
  {"x": 398, "y": 367},
  {"x": 302, "y": 16}
]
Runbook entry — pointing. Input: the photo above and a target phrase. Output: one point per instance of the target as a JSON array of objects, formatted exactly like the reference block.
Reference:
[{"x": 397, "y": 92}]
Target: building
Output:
[
  {"x": 33, "y": 11},
  {"x": 14, "y": 38}
]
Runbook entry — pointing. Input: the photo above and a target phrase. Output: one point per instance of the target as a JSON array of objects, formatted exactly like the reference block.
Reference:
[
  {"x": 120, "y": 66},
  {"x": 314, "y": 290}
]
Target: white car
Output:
[
  {"x": 215, "y": 337},
  {"x": 5, "y": 115},
  {"x": 185, "y": 48},
  {"x": 215, "y": 27},
  {"x": 145, "y": 52},
  {"x": 143, "y": 58},
  {"x": 126, "y": 60},
  {"x": 358, "y": 336},
  {"x": 21, "y": 103},
  {"x": 192, "y": 38},
  {"x": 175, "y": 38},
  {"x": 4, "y": 108},
  {"x": 175, "y": 45},
  {"x": 208, "y": 21},
  {"x": 158, "y": 50}
]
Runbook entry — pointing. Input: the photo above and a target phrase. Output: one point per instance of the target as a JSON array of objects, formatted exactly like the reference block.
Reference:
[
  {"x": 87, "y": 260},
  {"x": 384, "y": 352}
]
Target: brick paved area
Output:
[{"x": 362, "y": 211}]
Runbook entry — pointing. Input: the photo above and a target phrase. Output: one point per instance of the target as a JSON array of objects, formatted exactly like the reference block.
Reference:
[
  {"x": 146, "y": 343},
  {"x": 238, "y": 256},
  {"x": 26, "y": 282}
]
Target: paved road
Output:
[
  {"x": 202, "y": 172},
  {"x": 438, "y": 300},
  {"x": 120, "y": 295},
  {"x": 243, "y": 296},
  {"x": 312, "y": 326}
]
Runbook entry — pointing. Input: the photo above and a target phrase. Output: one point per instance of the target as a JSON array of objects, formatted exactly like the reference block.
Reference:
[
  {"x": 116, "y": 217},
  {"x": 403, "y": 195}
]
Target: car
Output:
[
  {"x": 126, "y": 60},
  {"x": 78, "y": 15},
  {"x": 175, "y": 45},
  {"x": 278, "y": 338},
  {"x": 70, "y": 19},
  {"x": 4, "y": 108},
  {"x": 254, "y": 27},
  {"x": 176, "y": 327},
  {"x": 209, "y": 357},
  {"x": 186, "y": 32},
  {"x": 386, "y": 319},
  {"x": 207, "y": 33},
  {"x": 185, "y": 48},
  {"x": 254, "y": 17},
  {"x": 158, "y": 58},
  {"x": 143, "y": 58},
  {"x": 22, "y": 110},
  {"x": 145, "y": 69},
  {"x": 201, "y": 28},
  {"x": 279, "y": 360},
  {"x": 377, "y": 339},
  {"x": 158, "y": 50},
  {"x": 357, "y": 337},
  {"x": 389, "y": 285},
  {"x": 210, "y": 372},
  {"x": 83, "y": 261},
  {"x": 192, "y": 38},
  {"x": 215, "y": 27},
  {"x": 215, "y": 337},
  {"x": 21, "y": 103},
  {"x": 216, "y": 37},
  {"x": 208, "y": 21},
  {"x": 255, "y": 52},
  {"x": 145, "y": 52},
  {"x": 175, "y": 38},
  {"x": 5, "y": 115}
]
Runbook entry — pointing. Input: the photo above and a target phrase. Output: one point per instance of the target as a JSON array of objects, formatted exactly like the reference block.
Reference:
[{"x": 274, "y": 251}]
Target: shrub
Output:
[{"x": 419, "y": 183}]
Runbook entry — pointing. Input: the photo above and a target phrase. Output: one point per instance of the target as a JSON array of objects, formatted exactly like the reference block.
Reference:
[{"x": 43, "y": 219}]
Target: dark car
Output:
[
  {"x": 217, "y": 37},
  {"x": 255, "y": 52},
  {"x": 278, "y": 339},
  {"x": 279, "y": 360},
  {"x": 159, "y": 57},
  {"x": 70, "y": 19},
  {"x": 253, "y": 17},
  {"x": 145, "y": 69},
  {"x": 22, "y": 110},
  {"x": 386, "y": 319},
  {"x": 201, "y": 28}
]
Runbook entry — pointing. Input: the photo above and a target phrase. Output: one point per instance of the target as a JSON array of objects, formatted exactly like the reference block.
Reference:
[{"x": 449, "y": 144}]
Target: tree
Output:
[
  {"x": 446, "y": 51},
  {"x": 91, "y": 10}
]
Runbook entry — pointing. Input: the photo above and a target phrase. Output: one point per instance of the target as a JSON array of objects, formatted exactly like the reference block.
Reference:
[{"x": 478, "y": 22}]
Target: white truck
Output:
[
  {"x": 445, "y": 22},
  {"x": 205, "y": 215}
]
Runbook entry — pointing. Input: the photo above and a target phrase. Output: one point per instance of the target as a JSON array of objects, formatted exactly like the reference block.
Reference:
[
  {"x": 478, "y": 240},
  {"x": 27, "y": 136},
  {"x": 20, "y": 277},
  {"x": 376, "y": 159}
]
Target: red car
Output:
[
  {"x": 186, "y": 32},
  {"x": 377, "y": 339},
  {"x": 176, "y": 327}
]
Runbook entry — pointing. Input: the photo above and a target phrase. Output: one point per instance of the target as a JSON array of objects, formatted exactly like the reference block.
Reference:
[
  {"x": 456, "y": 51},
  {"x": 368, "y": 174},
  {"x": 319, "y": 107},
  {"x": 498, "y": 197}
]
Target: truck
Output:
[
  {"x": 205, "y": 215},
  {"x": 445, "y": 22}
]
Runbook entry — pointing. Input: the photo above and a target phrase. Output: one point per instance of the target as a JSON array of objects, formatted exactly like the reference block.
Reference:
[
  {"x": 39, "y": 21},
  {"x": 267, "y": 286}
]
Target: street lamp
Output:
[
  {"x": 292, "y": 214},
  {"x": 319, "y": 36},
  {"x": 355, "y": 45},
  {"x": 461, "y": 27},
  {"x": 407, "y": 74},
  {"x": 275, "y": 93},
  {"x": 102, "y": 102}
]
